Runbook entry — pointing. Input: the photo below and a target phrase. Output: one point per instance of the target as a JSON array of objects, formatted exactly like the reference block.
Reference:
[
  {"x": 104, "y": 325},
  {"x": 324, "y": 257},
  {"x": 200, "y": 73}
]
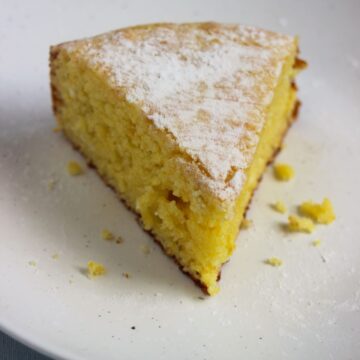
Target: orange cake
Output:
[{"x": 181, "y": 120}]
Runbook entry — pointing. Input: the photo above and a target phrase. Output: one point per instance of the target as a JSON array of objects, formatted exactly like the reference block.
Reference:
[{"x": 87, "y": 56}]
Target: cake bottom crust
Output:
[{"x": 197, "y": 282}]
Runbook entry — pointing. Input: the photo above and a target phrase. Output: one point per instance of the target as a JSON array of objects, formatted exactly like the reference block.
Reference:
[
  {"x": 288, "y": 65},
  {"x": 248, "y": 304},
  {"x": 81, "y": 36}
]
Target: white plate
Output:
[{"x": 308, "y": 308}]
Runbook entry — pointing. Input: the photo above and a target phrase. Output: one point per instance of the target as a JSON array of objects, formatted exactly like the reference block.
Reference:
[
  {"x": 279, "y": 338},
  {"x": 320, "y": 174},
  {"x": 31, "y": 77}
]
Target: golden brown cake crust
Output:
[{"x": 55, "y": 95}]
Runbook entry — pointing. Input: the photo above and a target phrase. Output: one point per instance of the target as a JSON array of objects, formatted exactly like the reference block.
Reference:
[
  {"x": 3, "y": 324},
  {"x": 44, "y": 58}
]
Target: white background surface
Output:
[{"x": 307, "y": 309}]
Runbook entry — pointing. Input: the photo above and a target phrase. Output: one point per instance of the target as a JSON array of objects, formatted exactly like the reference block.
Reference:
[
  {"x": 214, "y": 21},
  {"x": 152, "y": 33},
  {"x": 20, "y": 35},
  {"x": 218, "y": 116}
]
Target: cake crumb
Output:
[
  {"x": 274, "y": 261},
  {"x": 280, "y": 207},
  {"x": 126, "y": 275},
  {"x": 95, "y": 269},
  {"x": 320, "y": 213},
  {"x": 32, "y": 263},
  {"x": 300, "y": 224},
  {"x": 283, "y": 172},
  {"x": 74, "y": 168},
  {"x": 246, "y": 224},
  {"x": 145, "y": 249},
  {"x": 119, "y": 240},
  {"x": 107, "y": 235},
  {"x": 316, "y": 243}
]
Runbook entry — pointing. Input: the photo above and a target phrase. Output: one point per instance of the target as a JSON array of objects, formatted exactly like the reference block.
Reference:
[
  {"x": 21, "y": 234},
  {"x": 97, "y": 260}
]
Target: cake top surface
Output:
[{"x": 207, "y": 84}]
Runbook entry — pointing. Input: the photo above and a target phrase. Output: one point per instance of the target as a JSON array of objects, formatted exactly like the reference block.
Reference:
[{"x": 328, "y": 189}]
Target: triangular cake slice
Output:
[{"x": 181, "y": 120}]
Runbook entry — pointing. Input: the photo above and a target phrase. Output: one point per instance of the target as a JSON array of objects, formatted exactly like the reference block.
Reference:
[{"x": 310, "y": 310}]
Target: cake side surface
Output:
[{"x": 185, "y": 157}]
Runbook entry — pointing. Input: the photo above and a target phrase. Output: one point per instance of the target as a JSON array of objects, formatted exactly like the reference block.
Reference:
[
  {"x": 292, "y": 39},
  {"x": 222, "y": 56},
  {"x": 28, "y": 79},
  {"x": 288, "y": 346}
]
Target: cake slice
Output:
[{"x": 181, "y": 120}]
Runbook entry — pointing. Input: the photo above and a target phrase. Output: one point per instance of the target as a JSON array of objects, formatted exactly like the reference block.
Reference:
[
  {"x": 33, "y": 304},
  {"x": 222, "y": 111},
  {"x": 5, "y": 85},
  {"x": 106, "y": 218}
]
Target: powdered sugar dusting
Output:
[{"x": 206, "y": 84}]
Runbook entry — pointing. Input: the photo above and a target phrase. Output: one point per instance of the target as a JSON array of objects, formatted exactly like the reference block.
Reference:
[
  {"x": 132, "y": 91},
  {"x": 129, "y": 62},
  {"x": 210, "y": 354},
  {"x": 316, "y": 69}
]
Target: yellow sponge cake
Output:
[{"x": 181, "y": 120}]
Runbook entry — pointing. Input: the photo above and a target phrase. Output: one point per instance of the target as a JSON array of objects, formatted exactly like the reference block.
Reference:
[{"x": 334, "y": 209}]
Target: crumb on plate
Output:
[
  {"x": 274, "y": 261},
  {"x": 74, "y": 168},
  {"x": 300, "y": 224},
  {"x": 316, "y": 243},
  {"x": 283, "y": 172},
  {"x": 126, "y": 275},
  {"x": 119, "y": 240},
  {"x": 107, "y": 235},
  {"x": 322, "y": 213},
  {"x": 280, "y": 207},
  {"x": 95, "y": 269}
]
